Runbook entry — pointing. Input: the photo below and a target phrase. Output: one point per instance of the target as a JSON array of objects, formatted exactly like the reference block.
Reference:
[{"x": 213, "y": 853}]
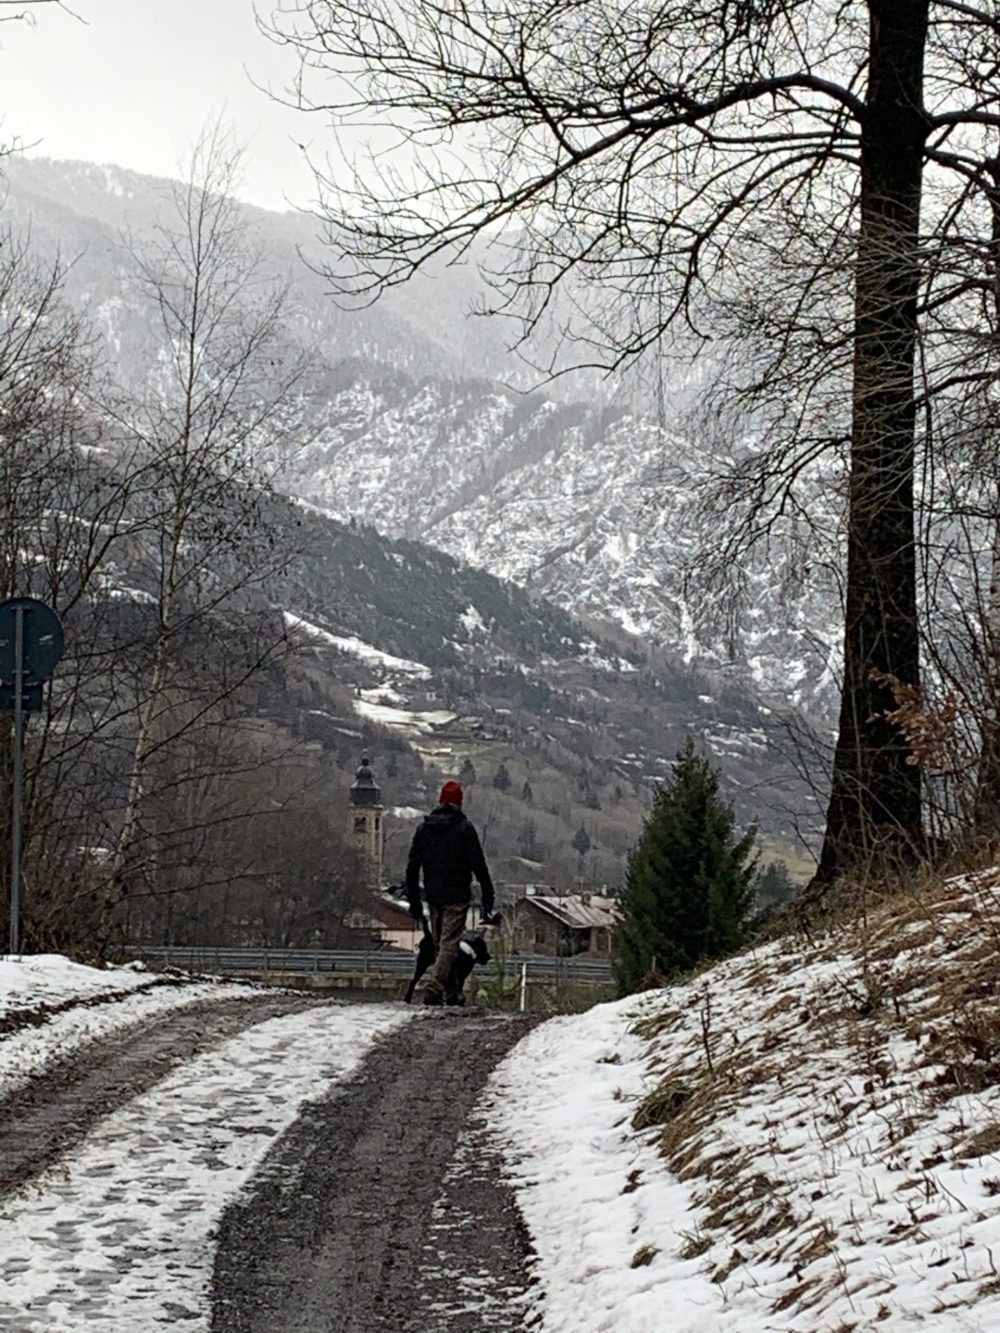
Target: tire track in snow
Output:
[
  {"x": 51, "y": 1113},
  {"x": 120, "y": 1235},
  {"x": 383, "y": 1209}
]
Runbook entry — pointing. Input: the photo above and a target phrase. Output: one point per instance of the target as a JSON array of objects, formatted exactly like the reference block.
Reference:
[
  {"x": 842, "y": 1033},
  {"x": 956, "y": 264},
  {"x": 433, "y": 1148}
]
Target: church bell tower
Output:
[{"x": 365, "y": 829}]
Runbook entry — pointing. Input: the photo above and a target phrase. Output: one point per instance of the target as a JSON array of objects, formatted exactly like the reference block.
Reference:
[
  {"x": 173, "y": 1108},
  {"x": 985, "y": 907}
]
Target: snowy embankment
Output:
[
  {"x": 49, "y": 1006},
  {"x": 806, "y": 1137},
  {"x": 352, "y": 646}
]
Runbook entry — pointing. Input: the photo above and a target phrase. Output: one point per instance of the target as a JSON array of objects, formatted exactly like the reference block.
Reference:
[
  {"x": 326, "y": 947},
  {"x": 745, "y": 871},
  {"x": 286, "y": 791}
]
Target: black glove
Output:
[
  {"x": 416, "y": 908},
  {"x": 490, "y": 918}
]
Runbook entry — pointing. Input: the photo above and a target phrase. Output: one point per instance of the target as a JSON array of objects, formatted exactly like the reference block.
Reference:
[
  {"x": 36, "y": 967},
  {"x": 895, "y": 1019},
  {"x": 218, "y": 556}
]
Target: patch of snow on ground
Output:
[
  {"x": 121, "y": 1236},
  {"x": 403, "y": 719},
  {"x": 830, "y": 1158},
  {"x": 92, "y": 1004},
  {"x": 316, "y": 509},
  {"x": 592, "y": 655},
  {"x": 562, "y": 1103},
  {"x": 35, "y": 979},
  {"x": 638, "y": 626},
  {"x": 357, "y": 648},
  {"x": 383, "y": 694},
  {"x": 123, "y": 594},
  {"x": 472, "y": 621}
]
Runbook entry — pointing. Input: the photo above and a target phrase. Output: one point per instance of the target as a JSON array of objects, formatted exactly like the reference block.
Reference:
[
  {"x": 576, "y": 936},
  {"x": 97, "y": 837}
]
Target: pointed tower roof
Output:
[{"x": 364, "y": 789}]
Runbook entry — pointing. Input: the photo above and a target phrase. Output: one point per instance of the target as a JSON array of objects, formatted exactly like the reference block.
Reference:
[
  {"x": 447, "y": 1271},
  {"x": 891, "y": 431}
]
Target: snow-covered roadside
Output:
[
  {"x": 822, "y": 1153},
  {"x": 562, "y": 1102},
  {"x": 69, "y": 1003},
  {"x": 120, "y": 1237},
  {"x": 34, "y": 980}
]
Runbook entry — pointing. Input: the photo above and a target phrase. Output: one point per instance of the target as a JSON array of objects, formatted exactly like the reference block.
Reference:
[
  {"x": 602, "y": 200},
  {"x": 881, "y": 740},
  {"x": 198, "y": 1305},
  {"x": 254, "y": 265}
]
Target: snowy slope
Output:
[
  {"x": 410, "y": 424},
  {"x": 591, "y": 508},
  {"x": 804, "y": 1138}
]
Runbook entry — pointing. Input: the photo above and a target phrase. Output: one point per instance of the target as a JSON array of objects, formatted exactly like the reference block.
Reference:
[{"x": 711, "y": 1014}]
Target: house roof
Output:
[
  {"x": 579, "y": 911},
  {"x": 392, "y": 915},
  {"x": 382, "y": 912}
]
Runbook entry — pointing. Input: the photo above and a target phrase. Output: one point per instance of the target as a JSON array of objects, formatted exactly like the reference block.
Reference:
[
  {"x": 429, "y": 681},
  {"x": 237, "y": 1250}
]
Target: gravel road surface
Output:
[{"x": 382, "y": 1210}]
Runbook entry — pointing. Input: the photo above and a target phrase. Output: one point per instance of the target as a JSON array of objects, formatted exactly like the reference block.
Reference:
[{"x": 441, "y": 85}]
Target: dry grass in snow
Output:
[{"x": 805, "y": 1137}]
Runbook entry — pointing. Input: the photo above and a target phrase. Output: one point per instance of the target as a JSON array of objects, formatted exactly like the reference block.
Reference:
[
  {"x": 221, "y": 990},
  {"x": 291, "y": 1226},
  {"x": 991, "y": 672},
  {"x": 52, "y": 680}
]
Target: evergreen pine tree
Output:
[
  {"x": 501, "y": 778},
  {"x": 689, "y": 885},
  {"x": 773, "y": 886},
  {"x": 591, "y": 799}
]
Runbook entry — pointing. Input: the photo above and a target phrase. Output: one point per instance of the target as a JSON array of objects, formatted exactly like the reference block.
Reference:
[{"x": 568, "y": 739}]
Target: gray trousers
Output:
[{"x": 447, "y": 927}]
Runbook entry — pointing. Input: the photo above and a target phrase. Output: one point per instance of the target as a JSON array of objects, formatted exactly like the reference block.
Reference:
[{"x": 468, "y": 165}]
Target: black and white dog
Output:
[{"x": 471, "y": 951}]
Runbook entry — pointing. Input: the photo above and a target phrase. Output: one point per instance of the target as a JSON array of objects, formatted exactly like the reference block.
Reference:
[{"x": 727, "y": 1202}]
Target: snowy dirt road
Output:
[
  {"x": 263, "y": 1162},
  {"x": 382, "y": 1208},
  {"x": 43, "y": 1120}
]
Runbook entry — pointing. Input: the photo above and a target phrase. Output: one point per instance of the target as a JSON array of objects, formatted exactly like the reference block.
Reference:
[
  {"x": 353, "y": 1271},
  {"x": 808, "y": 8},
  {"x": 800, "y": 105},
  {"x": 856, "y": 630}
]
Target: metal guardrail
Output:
[{"x": 369, "y": 962}]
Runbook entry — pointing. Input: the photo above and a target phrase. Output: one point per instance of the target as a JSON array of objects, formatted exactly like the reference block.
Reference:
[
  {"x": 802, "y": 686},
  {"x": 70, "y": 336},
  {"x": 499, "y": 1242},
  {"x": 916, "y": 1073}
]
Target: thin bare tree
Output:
[
  {"x": 215, "y": 415},
  {"x": 65, "y": 518}
]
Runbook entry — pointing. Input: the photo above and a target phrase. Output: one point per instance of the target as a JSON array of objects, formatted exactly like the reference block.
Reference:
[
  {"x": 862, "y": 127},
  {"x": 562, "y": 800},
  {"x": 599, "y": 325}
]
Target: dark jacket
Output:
[{"x": 446, "y": 847}]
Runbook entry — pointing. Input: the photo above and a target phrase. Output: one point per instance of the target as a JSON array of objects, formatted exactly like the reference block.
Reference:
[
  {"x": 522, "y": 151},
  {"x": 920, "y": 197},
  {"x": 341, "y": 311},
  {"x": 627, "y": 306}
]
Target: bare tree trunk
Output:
[
  {"x": 144, "y": 743},
  {"x": 987, "y": 807},
  {"x": 875, "y": 803},
  {"x": 208, "y": 428}
]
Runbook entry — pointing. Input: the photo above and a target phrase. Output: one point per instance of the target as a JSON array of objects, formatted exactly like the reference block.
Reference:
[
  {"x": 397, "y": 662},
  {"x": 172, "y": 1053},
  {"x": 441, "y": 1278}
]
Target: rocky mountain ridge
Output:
[{"x": 411, "y": 424}]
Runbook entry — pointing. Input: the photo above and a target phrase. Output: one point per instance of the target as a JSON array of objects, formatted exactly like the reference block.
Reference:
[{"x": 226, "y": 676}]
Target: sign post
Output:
[
  {"x": 31, "y": 644},
  {"x": 16, "y": 799}
]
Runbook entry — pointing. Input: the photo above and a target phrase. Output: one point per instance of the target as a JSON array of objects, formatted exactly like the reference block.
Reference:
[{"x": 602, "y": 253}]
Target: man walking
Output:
[{"x": 447, "y": 849}]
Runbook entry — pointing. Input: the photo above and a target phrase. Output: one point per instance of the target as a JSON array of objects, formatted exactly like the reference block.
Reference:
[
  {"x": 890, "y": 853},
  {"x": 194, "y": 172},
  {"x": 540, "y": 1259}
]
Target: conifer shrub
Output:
[{"x": 689, "y": 886}]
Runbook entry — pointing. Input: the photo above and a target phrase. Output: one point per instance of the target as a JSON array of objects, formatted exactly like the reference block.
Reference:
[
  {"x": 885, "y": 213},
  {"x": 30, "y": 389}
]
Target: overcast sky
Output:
[{"x": 136, "y": 82}]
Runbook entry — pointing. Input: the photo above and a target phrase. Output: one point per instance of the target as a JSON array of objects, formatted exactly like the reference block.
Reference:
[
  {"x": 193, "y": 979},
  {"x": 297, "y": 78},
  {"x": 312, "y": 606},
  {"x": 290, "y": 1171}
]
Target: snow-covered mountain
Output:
[
  {"x": 413, "y": 427},
  {"x": 591, "y": 507}
]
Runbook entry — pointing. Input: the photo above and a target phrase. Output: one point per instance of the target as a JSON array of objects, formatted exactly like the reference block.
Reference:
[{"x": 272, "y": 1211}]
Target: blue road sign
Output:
[
  {"x": 31, "y": 698},
  {"x": 31, "y": 644},
  {"x": 42, "y": 640}
]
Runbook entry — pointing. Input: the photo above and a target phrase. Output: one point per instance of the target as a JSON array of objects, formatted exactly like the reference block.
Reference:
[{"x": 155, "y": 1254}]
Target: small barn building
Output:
[{"x": 575, "y": 923}]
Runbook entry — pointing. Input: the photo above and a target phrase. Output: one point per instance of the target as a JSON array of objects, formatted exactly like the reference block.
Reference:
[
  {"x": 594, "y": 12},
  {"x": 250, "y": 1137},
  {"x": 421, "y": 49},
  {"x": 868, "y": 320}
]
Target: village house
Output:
[
  {"x": 387, "y": 924},
  {"x": 565, "y": 926}
]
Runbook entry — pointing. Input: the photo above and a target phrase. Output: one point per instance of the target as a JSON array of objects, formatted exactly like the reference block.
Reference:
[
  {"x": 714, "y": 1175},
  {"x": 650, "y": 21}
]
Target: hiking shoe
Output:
[
  {"x": 432, "y": 996},
  {"x": 454, "y": 997}
]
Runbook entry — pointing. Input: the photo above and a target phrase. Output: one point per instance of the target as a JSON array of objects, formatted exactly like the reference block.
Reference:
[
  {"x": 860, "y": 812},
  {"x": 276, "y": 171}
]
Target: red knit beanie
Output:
[{"x": 451, "y": 794}]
